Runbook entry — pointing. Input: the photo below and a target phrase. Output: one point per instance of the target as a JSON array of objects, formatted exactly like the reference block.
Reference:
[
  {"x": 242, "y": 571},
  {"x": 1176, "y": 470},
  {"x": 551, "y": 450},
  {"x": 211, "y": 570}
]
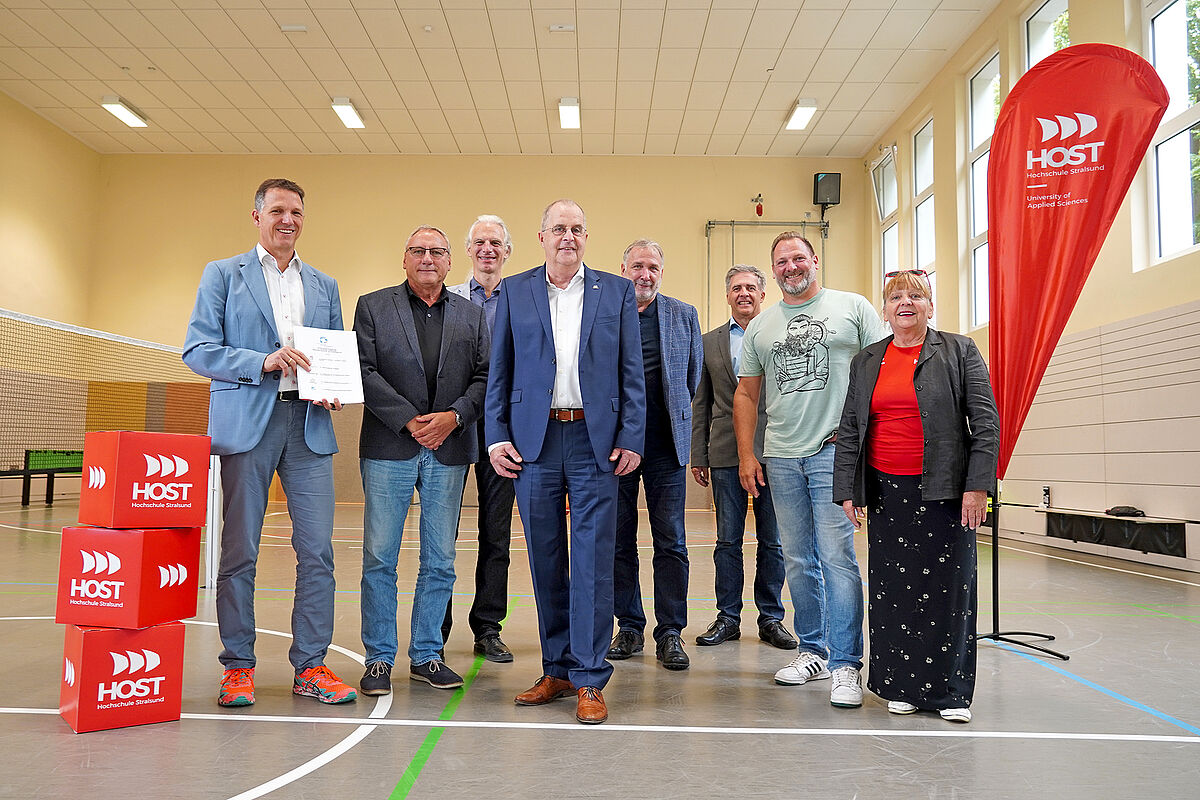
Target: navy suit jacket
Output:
[
  {"x": 611, "y": 379},
  {"x": 393, "y": 372},
  {"x": 230, "y": 335},
  {"x": 682, "y": 359}
]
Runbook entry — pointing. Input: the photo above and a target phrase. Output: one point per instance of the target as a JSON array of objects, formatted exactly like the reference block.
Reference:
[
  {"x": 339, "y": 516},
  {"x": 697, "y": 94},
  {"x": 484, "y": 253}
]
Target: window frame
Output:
[
  {"x": 973, "y": 154},
  {"x": 1027, "y": 19},
  {"x": 1170, "y": 126}
]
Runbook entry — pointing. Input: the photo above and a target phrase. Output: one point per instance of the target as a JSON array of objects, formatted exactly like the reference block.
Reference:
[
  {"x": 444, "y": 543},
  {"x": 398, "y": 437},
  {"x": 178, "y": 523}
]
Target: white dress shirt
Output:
[
  {"x": 566, "y": 319},
  {"x": 286, "y": 291}
]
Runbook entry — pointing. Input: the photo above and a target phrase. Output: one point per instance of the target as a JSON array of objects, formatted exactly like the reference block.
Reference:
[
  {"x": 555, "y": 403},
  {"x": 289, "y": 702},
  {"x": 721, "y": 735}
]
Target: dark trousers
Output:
[
  {"x": 666, "y": 485},
  {"x": 572, "y": 578},
  {"x": 496, "y": 496},
  {"x": 731, "y": 500}
]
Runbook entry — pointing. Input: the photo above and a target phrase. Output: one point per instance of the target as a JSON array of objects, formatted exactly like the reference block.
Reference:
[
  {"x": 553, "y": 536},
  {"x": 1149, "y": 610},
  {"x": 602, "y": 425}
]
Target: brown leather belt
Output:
[{"x": 566, "y": 414}]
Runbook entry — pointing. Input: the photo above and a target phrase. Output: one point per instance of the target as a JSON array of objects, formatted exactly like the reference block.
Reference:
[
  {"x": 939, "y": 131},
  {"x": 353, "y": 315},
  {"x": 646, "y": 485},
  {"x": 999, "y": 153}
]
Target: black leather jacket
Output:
[{"x": 958, "y": 417}]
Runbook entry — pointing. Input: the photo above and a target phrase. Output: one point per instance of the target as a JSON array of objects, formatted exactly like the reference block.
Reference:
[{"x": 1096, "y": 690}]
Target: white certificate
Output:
[{"x": 334, "y": 374}]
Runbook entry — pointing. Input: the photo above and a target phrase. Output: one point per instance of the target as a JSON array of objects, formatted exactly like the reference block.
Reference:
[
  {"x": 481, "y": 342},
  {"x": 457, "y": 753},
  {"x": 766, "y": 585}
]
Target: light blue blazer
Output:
[{"x": 230, "y": 335}]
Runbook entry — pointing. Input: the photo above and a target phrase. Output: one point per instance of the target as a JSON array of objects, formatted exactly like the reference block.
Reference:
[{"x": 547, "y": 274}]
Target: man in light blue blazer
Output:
[
  {"x": 241, "y": 336},
  {"x": 565, "y": 416},
  {"x": 672, "y": 357}
]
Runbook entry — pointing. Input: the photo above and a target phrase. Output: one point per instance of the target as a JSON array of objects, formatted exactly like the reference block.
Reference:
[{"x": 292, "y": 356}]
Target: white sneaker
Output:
[
  {"x": 846, "y": 691},
  {"x": 901, "y": 707},
  {"x": 956, "y": 714},
  {"x": 804, "y": 668}
]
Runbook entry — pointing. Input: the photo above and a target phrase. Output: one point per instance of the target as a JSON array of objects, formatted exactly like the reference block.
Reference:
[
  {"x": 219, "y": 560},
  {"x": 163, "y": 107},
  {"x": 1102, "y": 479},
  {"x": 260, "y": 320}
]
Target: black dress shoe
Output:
[
  {"x": 774, "y": 634},
  {"x": 491, "y": 648},
  {"x": 720, "y": 631},
  {"x": 670, "y": 652},
  {"x": 625, "y": 644}
]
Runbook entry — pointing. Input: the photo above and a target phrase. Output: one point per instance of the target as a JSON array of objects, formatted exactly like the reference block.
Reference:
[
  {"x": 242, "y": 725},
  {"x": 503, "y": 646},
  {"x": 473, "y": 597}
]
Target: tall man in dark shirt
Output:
[
  {"x": 671, "y": 358},
  {"x": 488, "y": 246},
  {"x": 424, "y": 355}
]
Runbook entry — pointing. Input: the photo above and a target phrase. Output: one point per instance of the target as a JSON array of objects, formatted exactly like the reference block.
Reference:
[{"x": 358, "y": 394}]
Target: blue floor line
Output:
[{"x": 1129, "y": 701}]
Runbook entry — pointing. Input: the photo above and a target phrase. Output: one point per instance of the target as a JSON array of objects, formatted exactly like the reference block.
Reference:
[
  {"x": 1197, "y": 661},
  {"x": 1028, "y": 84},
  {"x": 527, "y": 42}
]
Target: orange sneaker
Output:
[
  {"x": 321, "y": 683},
  {"x": 237, "y": 688}
]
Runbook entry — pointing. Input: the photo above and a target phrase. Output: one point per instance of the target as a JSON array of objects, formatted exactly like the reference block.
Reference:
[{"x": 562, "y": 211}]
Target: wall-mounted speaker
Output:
[{"x": 827, "y": 188}]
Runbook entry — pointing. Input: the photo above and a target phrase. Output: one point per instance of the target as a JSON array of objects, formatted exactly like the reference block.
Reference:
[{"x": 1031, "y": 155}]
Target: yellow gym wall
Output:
[
  {"x": 50, "y": 197},
  {"x": 1124, "y": 282}
]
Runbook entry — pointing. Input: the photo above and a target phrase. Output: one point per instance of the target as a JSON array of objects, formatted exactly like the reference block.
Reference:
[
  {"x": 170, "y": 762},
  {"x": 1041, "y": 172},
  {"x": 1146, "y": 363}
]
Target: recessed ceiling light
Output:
[
  {"x": 123, "y": 111},
  {"x": 348, "y": 113},
  {"x": 568, "y": 112},
  {"x": 291, "y": 28},
  {"x": 562, "y": 28},
  {"x": 801, "y": 114}
]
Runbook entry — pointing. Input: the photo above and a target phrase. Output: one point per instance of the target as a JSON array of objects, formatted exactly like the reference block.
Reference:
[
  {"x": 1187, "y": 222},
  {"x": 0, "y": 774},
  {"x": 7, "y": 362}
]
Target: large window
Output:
[
  {"x": 1174, "y": 27},
  {"x": 1046, "y": 31},
  {"x": 924, "y": 234},
  {"x": 883, "y": 177},
  {"x": 984, "y": 90}
]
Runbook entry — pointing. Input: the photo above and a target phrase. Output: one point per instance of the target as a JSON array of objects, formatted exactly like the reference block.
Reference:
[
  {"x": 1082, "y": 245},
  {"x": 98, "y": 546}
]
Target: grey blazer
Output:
[
  {"x": 394, "y": 385},
  {"x": 713, "y": 442},
  {"x": 958, "y": 418}
]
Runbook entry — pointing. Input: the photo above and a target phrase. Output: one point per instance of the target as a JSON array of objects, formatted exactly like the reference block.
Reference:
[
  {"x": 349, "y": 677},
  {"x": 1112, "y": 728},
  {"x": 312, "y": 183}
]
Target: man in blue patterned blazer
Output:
[{"x": 672, "y": 357}]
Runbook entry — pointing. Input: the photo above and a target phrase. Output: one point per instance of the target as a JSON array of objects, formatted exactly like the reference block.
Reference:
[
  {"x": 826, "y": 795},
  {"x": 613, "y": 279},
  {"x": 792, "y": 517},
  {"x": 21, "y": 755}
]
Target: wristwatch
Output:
[{"x": 457, "y": 418}]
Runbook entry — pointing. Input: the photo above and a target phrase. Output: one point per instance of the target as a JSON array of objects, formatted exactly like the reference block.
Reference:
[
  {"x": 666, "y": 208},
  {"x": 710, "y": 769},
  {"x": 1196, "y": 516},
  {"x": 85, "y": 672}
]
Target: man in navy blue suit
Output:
[
  {"x": 241, "y": 336},
  {"x": 565, "y": 416},
  {"x": 672, "y": 356}
]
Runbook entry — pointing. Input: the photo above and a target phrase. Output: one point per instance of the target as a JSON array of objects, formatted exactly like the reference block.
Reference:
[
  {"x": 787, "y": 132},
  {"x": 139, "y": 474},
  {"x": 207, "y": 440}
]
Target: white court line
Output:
[
  {"x": 988, "y": 541},
  {"x": 957, "y": 733}
]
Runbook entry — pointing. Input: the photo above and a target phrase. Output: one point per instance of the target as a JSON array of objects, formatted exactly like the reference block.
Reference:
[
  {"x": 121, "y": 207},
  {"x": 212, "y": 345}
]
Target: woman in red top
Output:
[{"x": 916, "y": 451}]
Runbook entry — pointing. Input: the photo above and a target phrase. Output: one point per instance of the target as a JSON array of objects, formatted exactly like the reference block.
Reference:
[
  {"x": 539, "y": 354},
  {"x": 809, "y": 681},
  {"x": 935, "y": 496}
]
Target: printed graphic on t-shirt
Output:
[{"x": 802, "y": 358}]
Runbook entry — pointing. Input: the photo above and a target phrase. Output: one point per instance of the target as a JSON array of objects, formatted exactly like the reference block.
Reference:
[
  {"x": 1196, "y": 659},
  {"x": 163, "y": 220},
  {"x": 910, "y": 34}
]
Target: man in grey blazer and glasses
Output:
[
  {"x": 424, "y": 355},
  {"x": 715, "y": 463}
]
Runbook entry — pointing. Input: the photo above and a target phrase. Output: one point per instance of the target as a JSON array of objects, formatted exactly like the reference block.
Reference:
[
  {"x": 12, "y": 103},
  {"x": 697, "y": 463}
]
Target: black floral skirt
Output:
[{"x": 922, "y": 595}]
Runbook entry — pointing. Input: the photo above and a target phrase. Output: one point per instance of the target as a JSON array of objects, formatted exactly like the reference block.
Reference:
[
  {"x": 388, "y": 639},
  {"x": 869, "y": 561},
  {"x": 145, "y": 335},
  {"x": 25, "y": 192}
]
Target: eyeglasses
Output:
[
  {"x": 419, "y": 252},
  {"x": 561, "y": 230},
  {"x": 920, "y": 273}
]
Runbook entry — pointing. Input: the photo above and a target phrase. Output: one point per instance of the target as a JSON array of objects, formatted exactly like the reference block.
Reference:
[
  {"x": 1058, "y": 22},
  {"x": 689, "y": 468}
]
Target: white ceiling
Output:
[{"x": 683, "y": 77}]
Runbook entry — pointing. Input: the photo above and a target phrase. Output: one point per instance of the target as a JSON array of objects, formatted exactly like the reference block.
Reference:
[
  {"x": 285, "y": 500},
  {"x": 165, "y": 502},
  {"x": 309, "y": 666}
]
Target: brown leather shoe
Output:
[
  {"x": 591, "y": 709},
  {"x": 546, "y": 689}
]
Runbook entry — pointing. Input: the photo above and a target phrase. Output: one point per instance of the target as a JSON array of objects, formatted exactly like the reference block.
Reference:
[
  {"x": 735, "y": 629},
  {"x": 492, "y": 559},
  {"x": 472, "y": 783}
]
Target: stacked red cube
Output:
[{"x": 126, "y": 576}]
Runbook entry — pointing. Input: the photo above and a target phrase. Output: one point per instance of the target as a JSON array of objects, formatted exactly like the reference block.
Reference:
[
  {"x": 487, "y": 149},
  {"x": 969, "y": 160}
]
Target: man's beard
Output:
[{"x": 797, "y": 288}]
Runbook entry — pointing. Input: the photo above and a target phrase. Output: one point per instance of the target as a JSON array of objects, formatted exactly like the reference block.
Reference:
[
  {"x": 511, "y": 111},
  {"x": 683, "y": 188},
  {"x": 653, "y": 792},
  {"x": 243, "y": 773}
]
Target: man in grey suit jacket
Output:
[
  {"x": 241, "y": 336},
  {"x": 671, "y": 358},
  {"x": 715, "y": 460},
  {"x": 424, "y": 355}
]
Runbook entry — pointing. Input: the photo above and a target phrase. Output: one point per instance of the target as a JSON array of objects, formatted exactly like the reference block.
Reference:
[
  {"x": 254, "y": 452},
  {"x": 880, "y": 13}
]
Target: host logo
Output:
[
  {"x": 96, "y": 477},
  {"x": 100, "y": 563},
  {"x": 129, "y": 662},
  {"x": 1064, "y": 128},
  {"x": 171, "y": 575},
  {"x": 165, "y": 466},
  {"x": 68, "y": 672}
]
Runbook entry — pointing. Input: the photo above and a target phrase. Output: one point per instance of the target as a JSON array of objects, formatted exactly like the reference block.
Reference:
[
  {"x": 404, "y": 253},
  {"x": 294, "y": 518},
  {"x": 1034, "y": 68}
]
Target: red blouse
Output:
[{"x": 895, "y": 443}]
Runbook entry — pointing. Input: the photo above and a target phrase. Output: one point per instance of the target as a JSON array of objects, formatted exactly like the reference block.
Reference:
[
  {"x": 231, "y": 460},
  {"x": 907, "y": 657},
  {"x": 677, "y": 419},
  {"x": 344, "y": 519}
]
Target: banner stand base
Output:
[{"x": 996, "y": 634}]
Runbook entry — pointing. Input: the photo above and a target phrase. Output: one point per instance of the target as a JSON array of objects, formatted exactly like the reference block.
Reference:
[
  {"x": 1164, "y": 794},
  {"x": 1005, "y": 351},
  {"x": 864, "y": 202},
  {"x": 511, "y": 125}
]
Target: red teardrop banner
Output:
[{"x": 1068, "y": 141}]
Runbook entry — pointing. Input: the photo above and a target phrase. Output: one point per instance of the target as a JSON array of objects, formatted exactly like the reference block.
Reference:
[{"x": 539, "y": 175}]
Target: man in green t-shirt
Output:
[{"x": 798, "y": 353}]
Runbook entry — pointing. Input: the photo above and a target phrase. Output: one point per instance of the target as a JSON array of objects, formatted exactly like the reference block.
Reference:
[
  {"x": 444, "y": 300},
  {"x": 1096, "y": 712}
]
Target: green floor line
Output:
[
  {"x": 1169, "y": 615},
  {"x": 419, "y": 759}
]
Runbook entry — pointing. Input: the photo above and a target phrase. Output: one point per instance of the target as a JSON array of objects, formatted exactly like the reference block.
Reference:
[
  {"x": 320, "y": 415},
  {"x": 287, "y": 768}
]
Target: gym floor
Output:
[{"x": 1120, "y": 719}]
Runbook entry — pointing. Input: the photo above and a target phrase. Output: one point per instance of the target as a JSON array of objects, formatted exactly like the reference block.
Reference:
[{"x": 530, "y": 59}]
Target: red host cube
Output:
[
  {"x": 144, "y": 480},
  {"x": 127, "y": 578},
  {"x": 115, "y": 678}
]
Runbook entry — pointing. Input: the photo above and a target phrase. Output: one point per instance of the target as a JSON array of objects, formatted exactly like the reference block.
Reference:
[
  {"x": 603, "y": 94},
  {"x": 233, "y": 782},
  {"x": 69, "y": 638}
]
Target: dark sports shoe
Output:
[
  {"x": 377, "y": 680},
  {"x": 436, "y": 674}
]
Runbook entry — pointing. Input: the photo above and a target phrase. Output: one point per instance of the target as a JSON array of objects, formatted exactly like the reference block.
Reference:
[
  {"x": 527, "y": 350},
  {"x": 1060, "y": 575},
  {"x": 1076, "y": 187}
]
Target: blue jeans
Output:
[
  {"x": 246, "y": 482},
  {"x": 731, "y": 500},
  {"x": 818, "y": 552},
  {"x": 666, "y": 485},
  {"x": 388, "y": 486}
]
